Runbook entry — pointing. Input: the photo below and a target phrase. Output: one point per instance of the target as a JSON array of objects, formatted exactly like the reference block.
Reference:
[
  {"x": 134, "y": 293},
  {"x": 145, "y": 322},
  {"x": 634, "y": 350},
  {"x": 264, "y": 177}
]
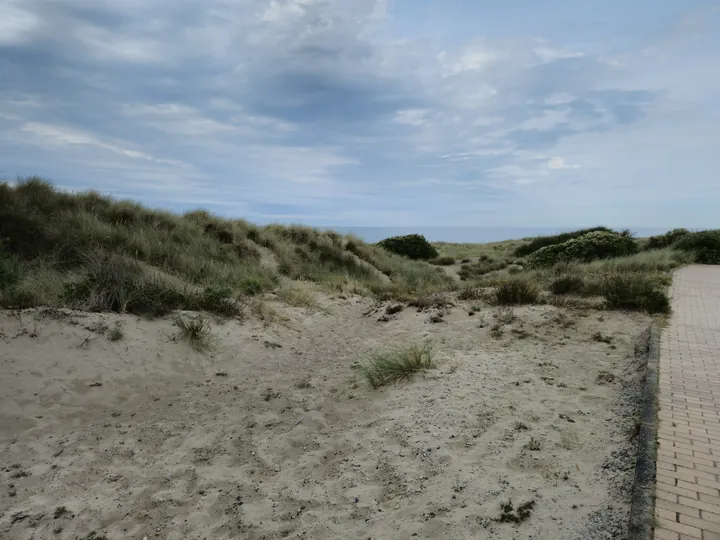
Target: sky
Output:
[{"x": 360, "y": 113}]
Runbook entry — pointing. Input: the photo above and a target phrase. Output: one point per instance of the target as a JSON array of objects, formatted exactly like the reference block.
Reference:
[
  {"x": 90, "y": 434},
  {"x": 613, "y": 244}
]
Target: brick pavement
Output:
[{"x": 687, "y": 502}]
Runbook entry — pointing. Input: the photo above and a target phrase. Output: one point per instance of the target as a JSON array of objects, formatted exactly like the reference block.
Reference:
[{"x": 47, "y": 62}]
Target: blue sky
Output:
[{"x": 372, "y": 112}]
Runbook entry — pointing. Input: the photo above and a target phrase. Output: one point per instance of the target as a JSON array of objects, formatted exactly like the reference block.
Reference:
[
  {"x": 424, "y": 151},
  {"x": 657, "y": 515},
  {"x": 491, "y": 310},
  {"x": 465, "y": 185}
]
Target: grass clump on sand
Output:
[
  {"x": 194, "y": 330},
  {"x": 399, "y": 364},
  {"x": 516, "y": 291}
]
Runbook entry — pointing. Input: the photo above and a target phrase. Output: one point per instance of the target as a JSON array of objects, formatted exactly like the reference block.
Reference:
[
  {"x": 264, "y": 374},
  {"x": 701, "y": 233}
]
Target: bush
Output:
[
  {"x": 705, "y": 245},
  {"x": 515, "y": 292},
  {"x": 634, "y": 291},
  {"x": 665, "y": 240},
  {"x": 514, "y": 268},
  {"x": 443, "y": 261},
  {"x": 567, "y": 284},
  {"x": 480, "y": 268},
  {"x": 590, "y": 247},
  {"x": 395, "y": 365},
  {"x": 543, "y": 241},
  {"x": 412, "y": 246}
]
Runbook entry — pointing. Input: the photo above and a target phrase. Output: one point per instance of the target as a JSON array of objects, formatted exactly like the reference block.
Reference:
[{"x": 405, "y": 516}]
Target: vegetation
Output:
[
  {"x": 92, "y": 252},
  {"x": 412, "y": 246},
  {"x": 195, "y": 331},
  {"x": 542, "y": 241},
  {"x": 515, "y": 291},
  {"x": 394, "y": 365},
  {"x": 704, "y": 244},
  {"x": 443, "y": 261},
  {"x": 588, "y": 247}
]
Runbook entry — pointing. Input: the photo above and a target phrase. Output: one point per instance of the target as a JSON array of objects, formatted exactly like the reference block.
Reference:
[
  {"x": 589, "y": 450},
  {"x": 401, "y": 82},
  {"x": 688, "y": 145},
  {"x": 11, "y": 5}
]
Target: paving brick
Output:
[{"x": 688, "y": 481}]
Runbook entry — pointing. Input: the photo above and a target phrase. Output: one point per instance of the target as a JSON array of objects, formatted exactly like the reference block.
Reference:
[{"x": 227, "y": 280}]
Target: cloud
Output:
[
  {"x": 356, "y": 112},
  {"x": 560, "y": 163}
]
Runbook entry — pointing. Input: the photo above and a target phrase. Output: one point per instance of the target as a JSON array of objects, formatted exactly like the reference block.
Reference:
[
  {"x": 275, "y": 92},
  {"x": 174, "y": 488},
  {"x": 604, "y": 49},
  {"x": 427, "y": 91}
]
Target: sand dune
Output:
[{"x": 270, "y": 433}]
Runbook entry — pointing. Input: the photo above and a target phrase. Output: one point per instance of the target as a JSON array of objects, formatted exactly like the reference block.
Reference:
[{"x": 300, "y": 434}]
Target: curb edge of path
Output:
[{"x": 643, "y": 490}]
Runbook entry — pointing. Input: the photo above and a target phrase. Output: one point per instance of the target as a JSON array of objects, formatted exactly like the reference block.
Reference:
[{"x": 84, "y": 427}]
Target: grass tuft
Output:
[
  {"x": 517, "y": 291},
  {"x": 195, "y": 330},
  {"x": 399, "y": 364}
]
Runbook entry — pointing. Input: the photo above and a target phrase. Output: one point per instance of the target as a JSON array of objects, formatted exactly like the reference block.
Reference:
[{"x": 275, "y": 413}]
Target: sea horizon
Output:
[{"x": 473, "y": 235}]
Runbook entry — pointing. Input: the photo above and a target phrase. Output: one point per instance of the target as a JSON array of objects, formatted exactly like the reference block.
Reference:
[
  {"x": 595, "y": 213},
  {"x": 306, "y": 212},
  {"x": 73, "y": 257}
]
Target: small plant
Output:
[
  {"x": 599, "y": 337},
  {"x": 496, "y": 331},
  {"x": 514, "y": 269},
  {"x": 510, "y": 514},
  {"x": 505, "y": 315},
  {"x": 515, "y": 292},
  {"x": 442, "y": 261},
  {"x": 195, "y": 331},
  {"x": 303, "y": 383},
  {"x": 270, "y": 394},
  {"x": 521, "y": 426},
  {"x": 394, "y": 308},
  {"x": 569, "y": 439},
  {"x": 533, "y": 444},
  {"x": 116, "y": 333},
  {"x": 605, "y": 377},
  {"x": 471, "y": 294},
  {"x": 394, "y": 365},
  {"x": 567, "y": 284}
]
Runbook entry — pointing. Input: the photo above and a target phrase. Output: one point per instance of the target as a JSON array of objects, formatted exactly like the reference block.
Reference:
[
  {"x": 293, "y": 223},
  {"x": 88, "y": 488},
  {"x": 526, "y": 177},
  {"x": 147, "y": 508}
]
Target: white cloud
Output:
[
  {"x": 16, "y": 25},
  {"x": 550, "y": 54},
  {"x": 559, "y": 98},
  {"x": 560, "y": 163}
]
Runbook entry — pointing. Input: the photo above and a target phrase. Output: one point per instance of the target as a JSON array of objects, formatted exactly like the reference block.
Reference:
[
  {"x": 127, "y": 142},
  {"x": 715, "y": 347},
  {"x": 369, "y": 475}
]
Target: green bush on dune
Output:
[
  {"x": 542, "y": 241},
  {"x": 412, "y": 246},
  {"x": 704, "y": 244},
  {"x": 589, "y": 247}
]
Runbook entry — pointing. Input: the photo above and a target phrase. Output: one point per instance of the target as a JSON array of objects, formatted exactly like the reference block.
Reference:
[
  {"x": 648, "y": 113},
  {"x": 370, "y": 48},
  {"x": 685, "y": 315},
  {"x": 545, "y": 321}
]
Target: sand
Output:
[{"x": 270, "y": 434}]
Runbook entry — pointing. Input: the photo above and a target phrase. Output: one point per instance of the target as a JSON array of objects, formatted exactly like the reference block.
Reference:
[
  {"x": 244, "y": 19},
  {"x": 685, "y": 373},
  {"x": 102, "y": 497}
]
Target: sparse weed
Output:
[
  {"x": 496, "y": 331},
  {"x": 533, "y": 445},
  {"x": 116, "y": 333},
  {"x": 569, "y": 439},
  {"x": 505, "y": 315}
]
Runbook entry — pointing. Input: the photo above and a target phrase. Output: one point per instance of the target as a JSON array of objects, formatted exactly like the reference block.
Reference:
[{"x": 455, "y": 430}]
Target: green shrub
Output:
[
  {"x": 542, "y": 241},
  {"x": 634, "y": 291},
  {"x": 514, "y": 269},
  {"x": 665, "y": 240},
  {"x": 567, "y": 284},
  {"x": 480, "y": 268},
  {"x": 394, "y": 365},
  {"x": 590, "y": 247},
  {"x": 443, "y": 261},
  {"x": 705, "y": 245},
  {"x": 412, "y": 246},
  {"x": 515, "y": 291}
]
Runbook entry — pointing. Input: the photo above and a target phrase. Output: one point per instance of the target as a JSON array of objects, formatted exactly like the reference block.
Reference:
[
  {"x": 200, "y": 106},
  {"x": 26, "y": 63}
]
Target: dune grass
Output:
[
  {"x": 194, "y": 330},
  {"x": 394, "y": 365},
  {"x": 89, "y": 251}
]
